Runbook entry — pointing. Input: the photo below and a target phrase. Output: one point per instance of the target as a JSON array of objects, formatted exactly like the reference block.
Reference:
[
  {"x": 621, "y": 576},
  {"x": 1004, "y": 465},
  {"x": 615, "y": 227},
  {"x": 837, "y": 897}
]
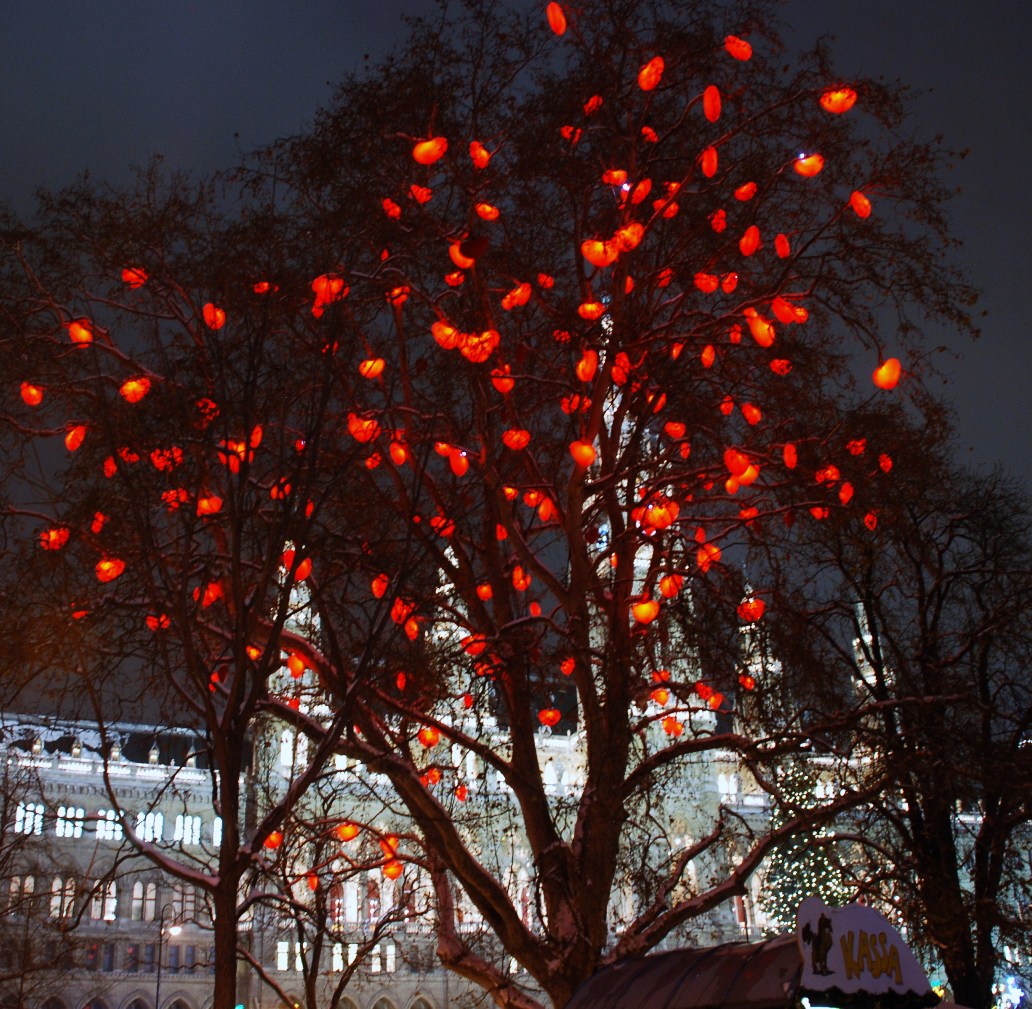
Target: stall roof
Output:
[{"x": 762, "y": 975}]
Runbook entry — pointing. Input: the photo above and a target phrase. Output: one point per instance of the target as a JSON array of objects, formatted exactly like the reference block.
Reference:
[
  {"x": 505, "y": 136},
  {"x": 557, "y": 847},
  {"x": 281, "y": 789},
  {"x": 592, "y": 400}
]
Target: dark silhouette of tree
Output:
[
  {"x": 926, "y": 616},
  {"x": 162, "y": 578},
  {"x": 523, "y": 348}
]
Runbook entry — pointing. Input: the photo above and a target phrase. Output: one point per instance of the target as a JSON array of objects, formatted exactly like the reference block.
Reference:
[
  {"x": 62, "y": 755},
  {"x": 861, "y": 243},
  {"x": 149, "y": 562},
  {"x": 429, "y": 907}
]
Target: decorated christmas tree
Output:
[{"x": 806, "y": 864}]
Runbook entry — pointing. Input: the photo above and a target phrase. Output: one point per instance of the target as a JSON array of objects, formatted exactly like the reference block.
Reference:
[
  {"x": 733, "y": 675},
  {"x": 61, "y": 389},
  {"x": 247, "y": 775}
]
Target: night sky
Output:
[{"x": 103, "y": 86}]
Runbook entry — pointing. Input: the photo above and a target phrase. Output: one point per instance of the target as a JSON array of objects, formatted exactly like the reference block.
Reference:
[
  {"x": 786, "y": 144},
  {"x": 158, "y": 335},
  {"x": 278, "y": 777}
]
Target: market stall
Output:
[{"x": 842, "y": 958}]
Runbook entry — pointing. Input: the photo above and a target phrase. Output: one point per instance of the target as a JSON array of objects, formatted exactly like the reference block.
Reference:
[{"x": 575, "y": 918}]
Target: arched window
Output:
[
  {"x": 549, "y": 777},
  {"x": 150, "y": 901},
  {"x": 136, "y": 908},
  {"x": 56, "y": 890},
  {"x": 104, "y": 902},
  {"x": 20, "y": 890},
  {"x": 62, "y": 897}
]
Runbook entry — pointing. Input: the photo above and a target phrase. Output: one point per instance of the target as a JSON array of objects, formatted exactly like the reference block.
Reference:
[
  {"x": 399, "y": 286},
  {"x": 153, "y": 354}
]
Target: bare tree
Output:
[
  {"x": 467, "y": 405},
  {"x": 337, "y": 882},
  {"x": 925, "y": 613},
  {"x": 173, "y": 551}
]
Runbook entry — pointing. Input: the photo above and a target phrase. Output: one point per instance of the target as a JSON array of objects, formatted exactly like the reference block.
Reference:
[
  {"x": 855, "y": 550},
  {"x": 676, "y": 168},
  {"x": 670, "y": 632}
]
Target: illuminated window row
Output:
[
  {"x": 187, "y": 829},
  {"x": 382, "y": 958}
]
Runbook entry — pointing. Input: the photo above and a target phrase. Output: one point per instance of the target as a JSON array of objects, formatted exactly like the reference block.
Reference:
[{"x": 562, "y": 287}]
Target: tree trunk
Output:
[
  {"x": 225, "y": 927},
  {"x": 969, "y": 988}
]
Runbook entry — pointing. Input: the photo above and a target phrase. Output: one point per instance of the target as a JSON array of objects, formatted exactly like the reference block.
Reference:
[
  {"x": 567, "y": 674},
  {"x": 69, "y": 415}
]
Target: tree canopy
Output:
[{"x": 471, "y": 402}]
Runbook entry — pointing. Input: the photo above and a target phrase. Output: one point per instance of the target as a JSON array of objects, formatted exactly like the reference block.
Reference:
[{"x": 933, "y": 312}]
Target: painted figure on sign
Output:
[{"x": 820, "y": 944}]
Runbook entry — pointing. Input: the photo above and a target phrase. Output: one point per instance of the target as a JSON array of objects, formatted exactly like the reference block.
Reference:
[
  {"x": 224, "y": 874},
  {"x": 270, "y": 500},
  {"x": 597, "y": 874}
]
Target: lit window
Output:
[
  {"x": 216, "y": 831},
  {"x": 150, "y": 826},
  {"x": 104, "y": 902},
  {"x": 18, "y": 890},
  {"x": 390, "y": 958},
  {"x": 150, "y": 900},
  {"x": 136, "y": 907},
  {"x": 110, "y": 904},
  {"x": 109, "y": 828},
  {"x": 69, "y": 821},
  {"x": 282, "y": 955},
  {"x": 350, "y": 901},
  {"x": 286, "y": 748},
  {"x": 62, "y": 897},
  {"x": 28, "y": 818},
  {"x": 338, "y": 957},
  {"x": 187, "y": 830}
]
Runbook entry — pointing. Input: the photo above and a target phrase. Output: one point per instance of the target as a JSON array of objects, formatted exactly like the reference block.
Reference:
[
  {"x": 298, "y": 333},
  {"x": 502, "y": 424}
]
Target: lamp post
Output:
[{"x": 173, "y": 930}]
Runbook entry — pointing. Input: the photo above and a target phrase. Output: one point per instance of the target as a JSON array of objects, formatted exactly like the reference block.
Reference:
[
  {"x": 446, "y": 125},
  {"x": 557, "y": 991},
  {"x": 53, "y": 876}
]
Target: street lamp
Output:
[{"x": 173, "y": 930}]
